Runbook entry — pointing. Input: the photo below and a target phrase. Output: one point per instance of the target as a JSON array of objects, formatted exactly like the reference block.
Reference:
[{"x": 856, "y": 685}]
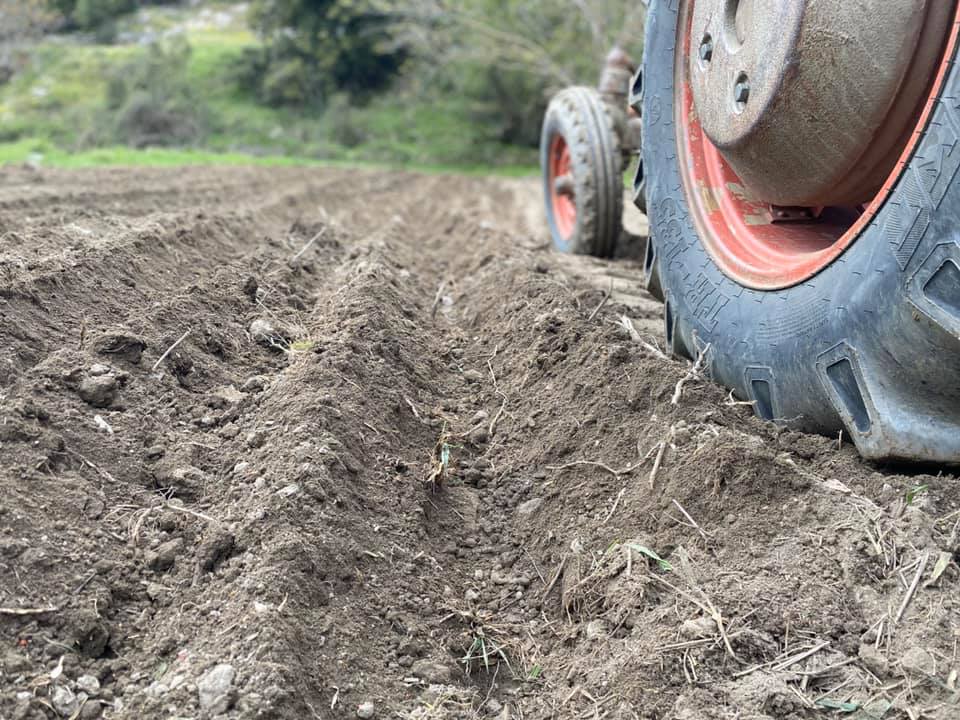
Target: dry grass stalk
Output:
[
  {"x": 693, "y": 372},
  {"x": 626, "y": 324},
  {"x": 22, "y": 612},
  {"x": 913, "y": 587},
  {"x": 170, "y": 350}
]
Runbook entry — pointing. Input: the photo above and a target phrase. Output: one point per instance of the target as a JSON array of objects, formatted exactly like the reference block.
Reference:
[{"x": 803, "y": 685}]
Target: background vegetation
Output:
[{"x": 422, "y": 82}]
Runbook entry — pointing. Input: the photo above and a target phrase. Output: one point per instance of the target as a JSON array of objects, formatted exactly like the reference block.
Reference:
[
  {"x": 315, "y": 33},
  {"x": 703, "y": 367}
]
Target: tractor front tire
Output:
[{"x": 581, "y": 160}]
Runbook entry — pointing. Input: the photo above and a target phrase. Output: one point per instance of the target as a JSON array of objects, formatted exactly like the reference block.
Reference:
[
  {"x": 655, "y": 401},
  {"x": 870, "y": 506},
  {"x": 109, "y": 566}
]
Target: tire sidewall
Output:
[{"x": 555, "y": 123}]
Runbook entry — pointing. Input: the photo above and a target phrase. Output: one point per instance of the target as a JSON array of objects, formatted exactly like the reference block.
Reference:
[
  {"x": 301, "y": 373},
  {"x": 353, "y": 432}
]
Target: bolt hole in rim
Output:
[
  {"x": 563, "y": 204},
  {"x": 748, "y": 239}
]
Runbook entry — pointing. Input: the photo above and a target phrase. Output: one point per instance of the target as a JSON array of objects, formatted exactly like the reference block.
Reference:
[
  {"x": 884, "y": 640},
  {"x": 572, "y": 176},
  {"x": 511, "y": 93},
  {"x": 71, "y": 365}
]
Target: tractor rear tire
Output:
[
  {"x": 869, "y": 344},
  {"x": 579, "y": 142}
]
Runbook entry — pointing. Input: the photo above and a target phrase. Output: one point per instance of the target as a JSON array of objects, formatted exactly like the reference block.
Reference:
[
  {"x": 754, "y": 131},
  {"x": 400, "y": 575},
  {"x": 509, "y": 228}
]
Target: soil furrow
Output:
[{"x": 407, "y": 456}]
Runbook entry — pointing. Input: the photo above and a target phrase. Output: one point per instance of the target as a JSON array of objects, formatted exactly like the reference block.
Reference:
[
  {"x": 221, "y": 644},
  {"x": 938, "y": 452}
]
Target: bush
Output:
[
  {"x": 91, "y": 14},
  {"x": 150, "y": 101},
  {"x": 316, "y": 48}
]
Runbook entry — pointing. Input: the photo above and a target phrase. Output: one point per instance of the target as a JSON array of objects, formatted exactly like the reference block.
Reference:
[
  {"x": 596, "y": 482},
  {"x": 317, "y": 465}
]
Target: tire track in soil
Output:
[{"x": 287, "y": 530}]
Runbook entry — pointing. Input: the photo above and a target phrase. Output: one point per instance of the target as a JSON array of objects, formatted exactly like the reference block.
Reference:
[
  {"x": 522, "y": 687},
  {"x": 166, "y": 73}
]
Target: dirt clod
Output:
[
  {"x": 99, "y": 391},
  {"x": 165, "y": 554}
]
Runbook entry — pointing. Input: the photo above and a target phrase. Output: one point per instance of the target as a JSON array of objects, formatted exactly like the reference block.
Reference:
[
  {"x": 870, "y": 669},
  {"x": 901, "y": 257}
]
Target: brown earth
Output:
[{"x": 282, "y": 443}]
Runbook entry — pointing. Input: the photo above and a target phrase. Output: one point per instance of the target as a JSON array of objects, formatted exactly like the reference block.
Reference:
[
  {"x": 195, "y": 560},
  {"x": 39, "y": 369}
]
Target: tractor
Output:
[{"x": 798, "y": 164}]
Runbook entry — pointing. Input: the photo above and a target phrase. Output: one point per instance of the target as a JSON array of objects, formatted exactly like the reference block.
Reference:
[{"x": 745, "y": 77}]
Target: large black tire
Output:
[
  {"x": 869, "y": 344},
  {"x": 582, "y": 119}
]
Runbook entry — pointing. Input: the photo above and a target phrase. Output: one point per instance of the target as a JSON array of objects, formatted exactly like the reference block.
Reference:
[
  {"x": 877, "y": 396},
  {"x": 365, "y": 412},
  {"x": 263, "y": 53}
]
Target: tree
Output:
[
  {"x": 21, "y": 22},
  {"x": 507, "y": 57},
  {"x": 561, "y": 42},
  {"x": 315, "y": 47}
]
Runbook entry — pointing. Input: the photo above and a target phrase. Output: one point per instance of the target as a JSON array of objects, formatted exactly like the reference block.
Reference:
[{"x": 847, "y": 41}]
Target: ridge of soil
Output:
[{"x": 281, "y": 443}]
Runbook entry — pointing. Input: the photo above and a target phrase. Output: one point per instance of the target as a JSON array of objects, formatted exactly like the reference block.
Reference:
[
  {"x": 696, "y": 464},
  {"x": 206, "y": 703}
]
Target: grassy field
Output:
[
  {"x": 55, "y": 112},
  {"x": 42, "y": 153}
]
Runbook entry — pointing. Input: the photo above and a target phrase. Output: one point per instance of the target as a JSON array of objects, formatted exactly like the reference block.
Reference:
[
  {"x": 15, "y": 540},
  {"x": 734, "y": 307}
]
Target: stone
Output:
[
  {"x": 154, "y": 452},
  {"x": 228, "y": 395},
  {"x": 64, "y": 700},
  {"x": 215, "y": 689},
  {"x": 530, "y": 506},
  {"x": 698, "y": 628},
  {"x": 874, "y": 660},
  {"x": 164, "y": 556},
  {"x": 479, "y": 417},
  {"x": 473, "y": 376},
  {"x": 15, "y": 663},
  {"x": 155, "y": 591},
  {"x": 254, "y": 384},
  {"x": 99, "y": 369},
  {"x": 98, "y": 391},
  {"x": 365, "y": 710},
  {"x": 217, "y": 544},
  {"x": 90, "y": 710},
  {"x": 256, "y": 439},
  {"x": 156, "y": 689},
  {"x": 432, "y": 672},
  {"x": 919, "y": 662},
  {"x": 90, "y": 633},
  {"x": 88, "y": 684}
]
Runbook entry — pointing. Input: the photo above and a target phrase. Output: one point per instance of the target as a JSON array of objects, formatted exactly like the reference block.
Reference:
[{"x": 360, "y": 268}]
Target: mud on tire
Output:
[
  {"x": 869, "y": 345},
  {"x": 579, "y": 117}
]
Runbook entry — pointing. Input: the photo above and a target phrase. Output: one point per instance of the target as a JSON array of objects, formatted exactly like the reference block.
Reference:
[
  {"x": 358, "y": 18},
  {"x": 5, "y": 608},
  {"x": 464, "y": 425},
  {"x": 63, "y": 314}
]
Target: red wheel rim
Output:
[
  {"x": 564, "y": 207},
  {"x": 741, "y": 235}
]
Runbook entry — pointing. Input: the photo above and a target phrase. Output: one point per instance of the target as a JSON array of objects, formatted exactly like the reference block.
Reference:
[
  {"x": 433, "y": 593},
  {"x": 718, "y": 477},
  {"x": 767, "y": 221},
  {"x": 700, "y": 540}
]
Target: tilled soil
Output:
[{"x": 330, "y": 443}]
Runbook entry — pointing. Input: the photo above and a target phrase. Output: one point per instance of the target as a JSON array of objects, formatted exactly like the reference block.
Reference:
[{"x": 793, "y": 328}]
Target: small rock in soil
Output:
[
  {"x": 156, "y": 689},
  {"x": 530, "y": 506},
  {"x": 919, "y": 662},
  {"x": 164, "y": 556},
  {"x": 90, "y": 633},
  {"x": 215, "y": 689},
  {"x": 874, "y": 660},
  {"x": 256, "y": 439},
  {"x": 254, "y": 384},
  {"x": 15, "y": 663},
  {"x": 473, "y": 376},
  {"x": 432, "y": 672},
  {"x": 215, "y": 547},
  {"x": 365, "y": 710},
  {"x": 89, "y": 684},
  {"x": 90, "y": 710},
  {"x": 154, "y": 452},
  {"x": 697, "y": 628},
  {"x": 98, "y": 391},
  {"x": 64, "y": 700},
  {"x": 227, "y": 395},
  {"x": 99, "y": 369}
]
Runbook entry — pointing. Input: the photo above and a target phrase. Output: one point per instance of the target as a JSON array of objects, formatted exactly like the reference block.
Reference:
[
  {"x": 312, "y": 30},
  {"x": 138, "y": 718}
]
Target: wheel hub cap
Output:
[{"x": 811, "y": 101}]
